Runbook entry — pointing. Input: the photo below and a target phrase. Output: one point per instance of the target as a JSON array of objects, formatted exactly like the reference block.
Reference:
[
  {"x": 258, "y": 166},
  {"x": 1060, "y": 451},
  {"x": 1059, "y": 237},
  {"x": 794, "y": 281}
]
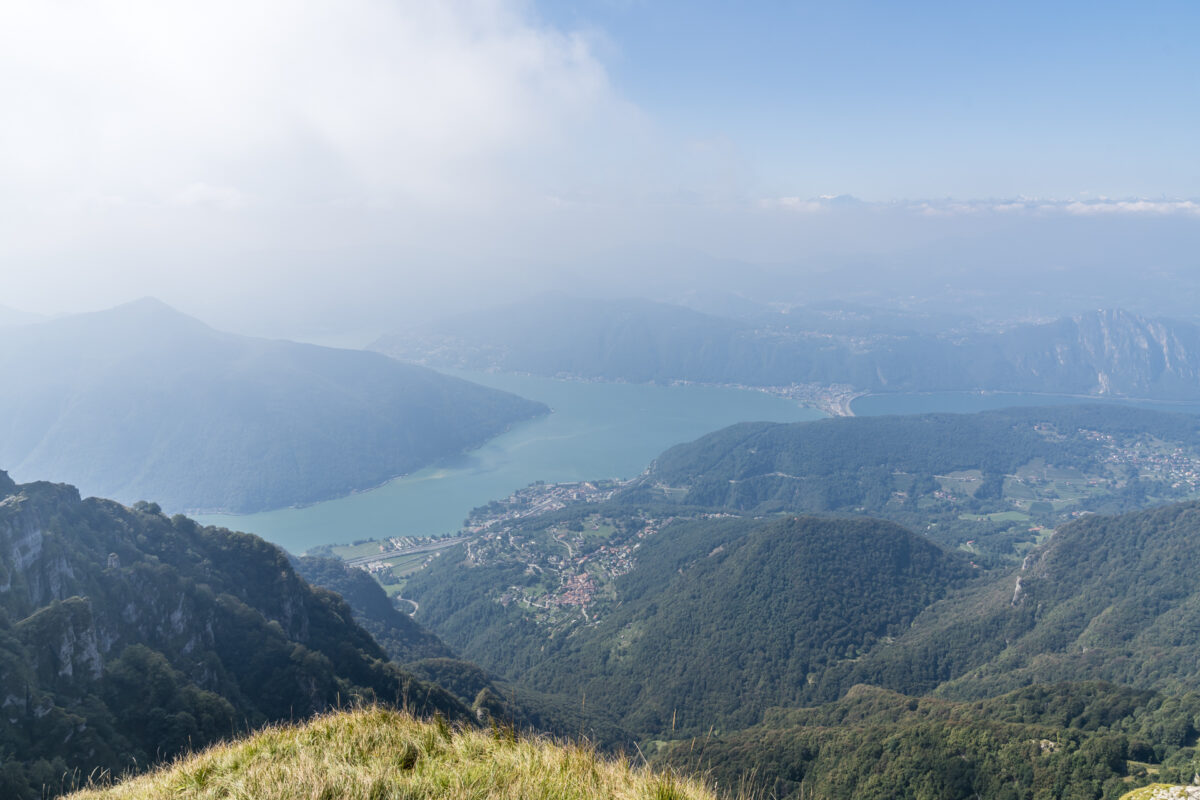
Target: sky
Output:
[
  {"x": 889, "y": 101},
  {"x": 322, "y": 167}
]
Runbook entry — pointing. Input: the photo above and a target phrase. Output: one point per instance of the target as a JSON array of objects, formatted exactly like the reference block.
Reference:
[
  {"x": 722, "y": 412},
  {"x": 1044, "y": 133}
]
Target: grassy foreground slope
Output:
[{"x": 377, "y": 753}]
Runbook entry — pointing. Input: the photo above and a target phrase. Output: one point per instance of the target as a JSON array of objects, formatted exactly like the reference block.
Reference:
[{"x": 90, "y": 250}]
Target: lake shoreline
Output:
[{"x": 597, "y": 430}]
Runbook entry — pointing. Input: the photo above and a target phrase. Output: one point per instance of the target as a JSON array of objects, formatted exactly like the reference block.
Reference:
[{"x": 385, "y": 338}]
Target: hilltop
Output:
[
  {"x": 991, "y": 483},
  {"x": 143, "y": 402},
  {"x": 376, "y": 753}
]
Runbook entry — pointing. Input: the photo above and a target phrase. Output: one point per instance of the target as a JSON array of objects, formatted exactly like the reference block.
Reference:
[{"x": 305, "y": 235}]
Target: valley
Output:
[
  {"x": 756, "y": 584},
  {"x": 603, "y": 400},
  {"x": 607, "y": 587},
  {"x": 595, "y": 431},
  {"x": 772, "y": 599},
  {"x": 581, "y": 536}
]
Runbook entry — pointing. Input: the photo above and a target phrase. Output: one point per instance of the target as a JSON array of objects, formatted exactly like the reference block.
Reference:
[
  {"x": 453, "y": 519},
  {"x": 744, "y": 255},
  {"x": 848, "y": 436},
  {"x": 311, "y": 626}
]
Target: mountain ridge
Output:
[
  {"x": 143, "y": 401},
  {"x": 127, "y": 637},
  {"x": 1100, "y": 353}
]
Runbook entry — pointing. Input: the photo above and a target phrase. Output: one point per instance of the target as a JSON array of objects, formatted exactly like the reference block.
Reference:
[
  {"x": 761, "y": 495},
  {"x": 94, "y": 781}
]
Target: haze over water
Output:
[{"x": 596, "y": 430}]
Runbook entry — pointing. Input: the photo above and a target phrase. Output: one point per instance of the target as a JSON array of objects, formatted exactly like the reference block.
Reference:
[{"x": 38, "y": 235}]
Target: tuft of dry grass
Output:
[{"x": 382, "y": 754}]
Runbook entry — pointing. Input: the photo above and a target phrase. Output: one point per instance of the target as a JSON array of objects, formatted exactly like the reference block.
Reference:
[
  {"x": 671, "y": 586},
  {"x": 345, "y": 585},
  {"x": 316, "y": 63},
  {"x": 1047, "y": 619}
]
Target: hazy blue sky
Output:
[
  {"x": 274, "y": 165},
  {"x": 895, "y": 100}
]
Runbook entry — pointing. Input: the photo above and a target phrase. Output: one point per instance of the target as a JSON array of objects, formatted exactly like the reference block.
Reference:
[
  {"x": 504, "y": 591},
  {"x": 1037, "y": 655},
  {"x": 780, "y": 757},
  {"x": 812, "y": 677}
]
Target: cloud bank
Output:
[
  {"x": 232, "y": 104},
  {"x": 952, "y": 207},
  {"x": 376, "y": 159},
  {"x": 270, "y": 148}
]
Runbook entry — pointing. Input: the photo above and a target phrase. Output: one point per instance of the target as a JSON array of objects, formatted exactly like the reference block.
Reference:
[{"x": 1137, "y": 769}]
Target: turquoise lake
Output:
[{"x": 596, "y": 430}]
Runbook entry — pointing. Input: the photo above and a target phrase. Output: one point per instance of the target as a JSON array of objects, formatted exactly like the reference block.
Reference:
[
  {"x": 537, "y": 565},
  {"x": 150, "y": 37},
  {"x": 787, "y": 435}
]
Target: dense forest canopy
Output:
[
  {"x": 720, "y": 619},
  {"x": 1082, "y": 741},
  {"x": 127, "y": 637}
]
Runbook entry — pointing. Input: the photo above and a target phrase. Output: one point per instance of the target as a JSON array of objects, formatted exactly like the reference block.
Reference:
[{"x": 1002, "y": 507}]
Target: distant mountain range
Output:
[
  {"x": 144, "y": 402},
  {"x": 1102, "y": 353},
  {"x": 12, "y": 316}
]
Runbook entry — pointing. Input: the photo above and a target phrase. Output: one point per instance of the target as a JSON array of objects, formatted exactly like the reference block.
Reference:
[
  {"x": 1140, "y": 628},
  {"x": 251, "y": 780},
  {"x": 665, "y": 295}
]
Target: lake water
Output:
[
  {"x": 597, "y": 430},
  {"x": 873, "y": 405}
]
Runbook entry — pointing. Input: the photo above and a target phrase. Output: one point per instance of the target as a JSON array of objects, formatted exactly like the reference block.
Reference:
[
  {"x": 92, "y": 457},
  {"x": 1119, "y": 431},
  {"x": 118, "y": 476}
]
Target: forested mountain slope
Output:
[
  {"x": 395, "y": 631},
  {"x": 846, "y": 462},
  {"x": 720, "y": 618},
  {"x": 717, "y": 620},
  {"x": 144, "y": 402},
  {"x": 1106, "y": 352},
  {"x": 658, "y": 593},
  {"x": 993, "y": 483},
  {"x": 1067, "y": 740},
  {"x": 423, "y": 654},
  {"x": 127, "y": 637},
  {"x": 1107, "y": 597}
]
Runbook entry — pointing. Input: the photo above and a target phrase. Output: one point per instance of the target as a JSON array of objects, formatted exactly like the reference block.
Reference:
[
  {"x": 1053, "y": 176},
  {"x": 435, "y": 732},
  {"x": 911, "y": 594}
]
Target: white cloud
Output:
[
  {"x": 1132, "y": 207},
  {"x": 797, "y": 204},
  {"x": 282, "y": 101},
  {"x": 322, "y": 155},
  {"x": 956, "y": 208},
  {"x": 207, "y": 151},
  {"x": 202, "y": 194}
]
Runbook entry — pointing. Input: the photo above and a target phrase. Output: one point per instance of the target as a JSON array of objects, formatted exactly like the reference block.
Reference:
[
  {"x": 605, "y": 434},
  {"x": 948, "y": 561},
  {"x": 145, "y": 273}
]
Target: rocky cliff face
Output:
[
  {"x": 32, "y": 575},
  {"x": 1108, "y": 352},
  {"x": 127, "y": 636}
]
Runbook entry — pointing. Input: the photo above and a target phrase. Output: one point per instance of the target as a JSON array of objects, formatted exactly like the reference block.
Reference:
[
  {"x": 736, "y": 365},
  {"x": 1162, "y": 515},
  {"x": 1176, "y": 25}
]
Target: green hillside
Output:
[
  {"x": 375, "y": 753},
  {"x": 1090, "y": 740},
  {"x": 718, "y": 620},
  {"x": 1110, "y": 598},
  {"x": 127, "y": 637},
  {"x": 400, "y": 637},
  {"x": 852, "y": 462},
  {"x": 424, "y": 655},
  {"x": 1107, "y": 597},
  {"x": 142, "y": 402},
  {"x": 988, "y": 483}
]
